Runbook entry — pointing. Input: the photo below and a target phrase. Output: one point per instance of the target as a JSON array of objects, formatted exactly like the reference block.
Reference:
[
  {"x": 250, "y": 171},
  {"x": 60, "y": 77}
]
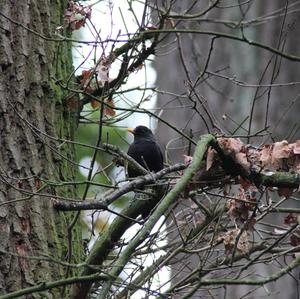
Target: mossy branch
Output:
[
  {"x": 159, "y": 211},
  {"x": 113, "y": 233}
]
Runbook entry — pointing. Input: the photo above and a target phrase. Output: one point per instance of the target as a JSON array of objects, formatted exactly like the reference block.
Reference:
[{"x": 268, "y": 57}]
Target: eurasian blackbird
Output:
[{"x": 146, "y": 151}]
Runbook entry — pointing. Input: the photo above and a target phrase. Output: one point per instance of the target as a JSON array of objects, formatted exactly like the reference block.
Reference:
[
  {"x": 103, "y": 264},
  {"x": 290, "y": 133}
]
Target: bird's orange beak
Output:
[{"x": 130, "y": 130}]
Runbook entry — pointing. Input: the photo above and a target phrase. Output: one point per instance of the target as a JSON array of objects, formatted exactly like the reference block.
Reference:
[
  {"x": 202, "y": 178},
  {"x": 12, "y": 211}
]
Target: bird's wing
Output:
[{"x": 147, "y": 151}]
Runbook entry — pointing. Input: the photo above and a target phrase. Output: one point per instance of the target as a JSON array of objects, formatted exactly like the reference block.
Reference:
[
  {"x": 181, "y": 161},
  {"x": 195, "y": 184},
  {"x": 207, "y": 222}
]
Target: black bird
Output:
[{"x": 145, "y": 150}]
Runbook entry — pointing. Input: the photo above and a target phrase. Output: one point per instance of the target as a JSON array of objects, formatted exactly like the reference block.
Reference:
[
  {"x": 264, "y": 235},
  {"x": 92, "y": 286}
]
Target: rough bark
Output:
[{"x": 30, "y": 109}]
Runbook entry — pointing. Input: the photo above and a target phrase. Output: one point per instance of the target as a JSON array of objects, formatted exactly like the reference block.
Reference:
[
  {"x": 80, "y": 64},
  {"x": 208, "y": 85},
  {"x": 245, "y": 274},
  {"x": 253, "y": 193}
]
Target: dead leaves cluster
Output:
[
  {"x": 267, "y": 159},
  {"x": 91, "y": 80},
  {"x": 235, "y": 238},
  {"x": 76, "y": 15},
  {"x": 241, "y": 208},
  {"x": 279, "y": 156},
  {"x": 97, "y": 76}
]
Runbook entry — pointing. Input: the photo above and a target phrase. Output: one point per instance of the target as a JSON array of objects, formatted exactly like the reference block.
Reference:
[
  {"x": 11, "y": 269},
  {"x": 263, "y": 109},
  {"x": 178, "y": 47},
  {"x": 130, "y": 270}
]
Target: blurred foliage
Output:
[{"x": 87, "y": 133}]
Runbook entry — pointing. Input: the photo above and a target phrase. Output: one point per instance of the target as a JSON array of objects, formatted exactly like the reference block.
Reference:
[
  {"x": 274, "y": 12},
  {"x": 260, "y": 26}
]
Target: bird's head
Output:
[{"x": 141, "y": 131}]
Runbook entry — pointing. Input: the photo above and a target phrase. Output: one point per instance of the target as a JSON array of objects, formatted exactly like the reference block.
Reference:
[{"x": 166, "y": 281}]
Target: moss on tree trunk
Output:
[{"x": 31, "y": 110}]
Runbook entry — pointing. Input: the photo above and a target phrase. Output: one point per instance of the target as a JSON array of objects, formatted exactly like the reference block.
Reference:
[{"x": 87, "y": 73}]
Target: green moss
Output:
[{"x": 60, "y": 68}]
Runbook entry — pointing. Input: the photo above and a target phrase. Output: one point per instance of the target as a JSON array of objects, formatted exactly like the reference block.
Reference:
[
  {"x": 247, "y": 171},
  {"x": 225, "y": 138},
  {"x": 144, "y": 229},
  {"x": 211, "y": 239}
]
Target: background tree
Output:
[
  {"x": 244, "y": 90},
  {"x": 212, "y": 226}
]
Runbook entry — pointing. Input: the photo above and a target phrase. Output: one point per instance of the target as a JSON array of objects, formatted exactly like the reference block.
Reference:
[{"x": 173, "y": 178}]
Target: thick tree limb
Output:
[
  {"x": 159, "y": 211},
  {"x": 295, "y": 263},
  {"x": 230, "y": 165},
  {"x": 104, "y": 202},
  {"x": 43, "y": 286},
  {"x": 113, "y": 233},
  {"x": 277, "y": 179}
]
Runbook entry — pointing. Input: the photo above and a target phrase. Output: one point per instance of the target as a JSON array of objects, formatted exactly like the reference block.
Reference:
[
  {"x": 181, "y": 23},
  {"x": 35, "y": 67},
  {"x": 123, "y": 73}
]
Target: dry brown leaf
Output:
[
  {"x": 229, "y": 240},
  {"x": 109, "y": 108},
  {"x": 95, "y": 104},
  {"x": 76, "y": 14},
  {"x": 231, "y": 145},
  {"x": 253, "y": 155},
  {"x": 210, "y": 157},
  {"x": 86, "y": 82},
  {"x": 295, "y": 147},
  {"x": 86, "y": 76},
  {"x": 280, "y": 151},
  {"x": 245, "y": 202},
  {"x": 231, "y": 205},
  {"x": 103, "y": 66},
  {"x": 265, "y": 155},
  {"x": 243, "y": 244}
]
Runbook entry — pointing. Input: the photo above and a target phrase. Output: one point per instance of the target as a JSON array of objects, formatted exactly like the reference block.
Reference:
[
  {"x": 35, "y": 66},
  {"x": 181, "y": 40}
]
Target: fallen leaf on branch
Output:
[
  {"x": 265, "y": 156},
  {"x": 95, "y": 104},
  {"x": 229, "y": 240},
  {"x": 280, "y": 156},
  {"x": 239, "y": 209},
  {"x": 75, "y": 15},
  {"x": 109, "y": 108},
  {"x": 295, "y": 147},
  {"x": 231, "y": 145},
  {"x": 211, "y": 153},
  {"x": 245, "y": 160},
  {"x": 280, "y": 151},
  {"x": 103, "y": 66}
]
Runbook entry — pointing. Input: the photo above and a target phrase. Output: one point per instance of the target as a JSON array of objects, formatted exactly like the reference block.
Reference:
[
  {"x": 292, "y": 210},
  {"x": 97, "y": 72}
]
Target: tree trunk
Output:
[
  {"x": 31, "y": 110},
  {"x": 225, "y": 100}
]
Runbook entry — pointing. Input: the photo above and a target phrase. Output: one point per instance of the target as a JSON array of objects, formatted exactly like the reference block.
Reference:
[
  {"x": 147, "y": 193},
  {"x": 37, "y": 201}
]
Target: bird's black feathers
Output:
[{"x": 145, "y": 150}]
